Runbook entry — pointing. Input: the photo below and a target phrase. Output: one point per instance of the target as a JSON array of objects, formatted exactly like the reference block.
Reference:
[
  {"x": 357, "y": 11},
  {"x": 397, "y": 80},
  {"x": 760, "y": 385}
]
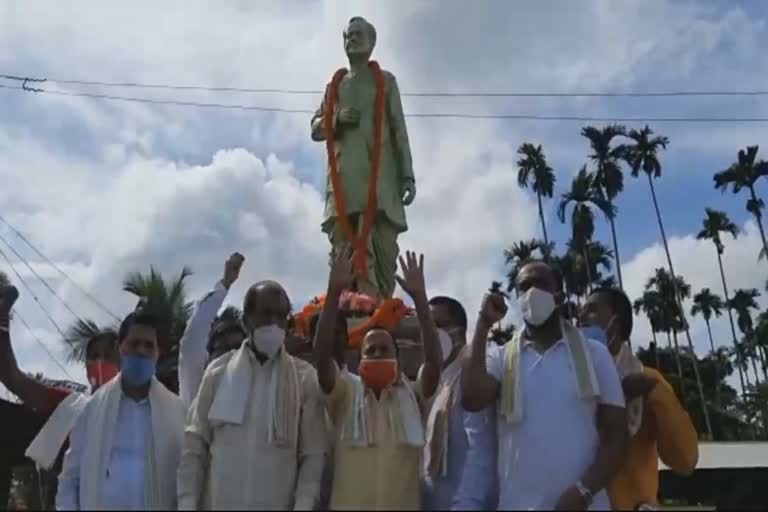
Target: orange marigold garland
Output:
[
  {"x": 359, "y": 243},
  {"x": 388, "y": 315}
]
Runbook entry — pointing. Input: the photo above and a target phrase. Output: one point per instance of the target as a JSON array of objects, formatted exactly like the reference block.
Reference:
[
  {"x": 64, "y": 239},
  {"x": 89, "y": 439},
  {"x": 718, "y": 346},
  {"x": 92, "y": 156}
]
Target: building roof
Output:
[{"x": 733, "y": 455}]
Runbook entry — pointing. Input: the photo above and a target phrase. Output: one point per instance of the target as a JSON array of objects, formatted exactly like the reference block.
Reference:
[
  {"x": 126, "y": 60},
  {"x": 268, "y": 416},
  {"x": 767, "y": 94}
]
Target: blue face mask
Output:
[
  {"x": 595, "y": 333},
  {"x": 136, "y": 370}
]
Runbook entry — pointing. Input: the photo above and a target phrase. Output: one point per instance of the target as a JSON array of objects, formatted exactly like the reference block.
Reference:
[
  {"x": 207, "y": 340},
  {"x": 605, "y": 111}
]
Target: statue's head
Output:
[{"x": 359, "y": 38}]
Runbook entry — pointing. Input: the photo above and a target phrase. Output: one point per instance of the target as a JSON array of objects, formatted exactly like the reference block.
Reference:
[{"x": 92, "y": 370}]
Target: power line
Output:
[
  {"x": 35, "y": 337},
  {"x": 186, "y": 87},
  {"x": 520, "y": 117},
  {"x": 32, "y": 293},
  {"x": 66, "y": 276},
  {"x": 45, "y": 283}
]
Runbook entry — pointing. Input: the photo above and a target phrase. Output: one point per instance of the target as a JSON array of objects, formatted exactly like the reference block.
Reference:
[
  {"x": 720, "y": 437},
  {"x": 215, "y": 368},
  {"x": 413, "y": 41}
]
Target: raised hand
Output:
[
  {"x": 408, "y": 192},
  {"x": 349, "y": 116},
  {"x": 493, "y": 308},
  {"x": 232, "y": 269},
  {"x": 412, "y": 280},
  {"x": 342, "y": 270}
]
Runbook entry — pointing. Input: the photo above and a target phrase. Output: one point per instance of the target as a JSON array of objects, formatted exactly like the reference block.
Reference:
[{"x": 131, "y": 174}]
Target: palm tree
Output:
[
  {"x": 519, "y": 253},
  {"x": 672, "y": 290},
  {"x": 661, "y": 283},
  {"x": 651, "y": 305},
  {"x": 608, "y": 176},
  {"x": 707, "y": 304},
  {"x": 743, "y": 174},
  {"x": 606, "y": 282},
  {"x": 715, "y": 223},
  {"x": 655, "y": 307},
  {"x": 79, "y": 334},
  {"x": 644, "y": 155},
  {"x": 566, "y": 264},
  {"x": 742, "y": 303},
  {"x": 596, "y": 255},
  {"x": 167, "y": 301},
  {"x": 760, "y": 335},
  {"x": 533, "y": 165},
  {"x": 584, "y": 197}
]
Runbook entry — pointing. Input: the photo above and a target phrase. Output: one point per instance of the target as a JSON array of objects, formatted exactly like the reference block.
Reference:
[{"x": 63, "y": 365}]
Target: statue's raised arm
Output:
[{"x": 370, "y": 171}]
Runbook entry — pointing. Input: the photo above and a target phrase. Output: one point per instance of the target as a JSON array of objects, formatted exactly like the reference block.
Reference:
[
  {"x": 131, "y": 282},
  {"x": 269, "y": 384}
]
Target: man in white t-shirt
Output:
[{"x": 562, "y": 433}]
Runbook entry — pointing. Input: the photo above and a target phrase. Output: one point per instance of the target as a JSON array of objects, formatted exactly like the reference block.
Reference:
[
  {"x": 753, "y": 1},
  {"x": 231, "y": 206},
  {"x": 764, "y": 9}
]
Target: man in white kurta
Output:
[
  {"x": 234, "y": 455},
  {"x": 197, "y": 345}
]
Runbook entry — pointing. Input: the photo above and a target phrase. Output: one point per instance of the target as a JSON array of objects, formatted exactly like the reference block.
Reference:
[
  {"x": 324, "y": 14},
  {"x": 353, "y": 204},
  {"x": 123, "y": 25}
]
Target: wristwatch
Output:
[{"x": 587, "y": 494}]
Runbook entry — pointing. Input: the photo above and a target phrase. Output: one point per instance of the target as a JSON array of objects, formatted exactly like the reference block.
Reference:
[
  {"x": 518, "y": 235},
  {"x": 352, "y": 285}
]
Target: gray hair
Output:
[{"x": 368, "y": 26}]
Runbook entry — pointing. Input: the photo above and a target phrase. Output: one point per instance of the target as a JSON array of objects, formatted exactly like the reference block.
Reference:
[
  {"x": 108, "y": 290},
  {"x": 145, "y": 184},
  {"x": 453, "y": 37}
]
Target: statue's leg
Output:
[
  {"x": 369, "y": 285},
  {"x": 383, "y": 251}
]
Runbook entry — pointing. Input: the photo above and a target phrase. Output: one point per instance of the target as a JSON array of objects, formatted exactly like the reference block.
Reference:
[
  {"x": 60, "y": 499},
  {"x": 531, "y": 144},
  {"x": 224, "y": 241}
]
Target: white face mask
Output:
[
  {"x": 536, "y": 306},
  {"x": 446, "y": 343},
  {"x": 268, "y": 339}
]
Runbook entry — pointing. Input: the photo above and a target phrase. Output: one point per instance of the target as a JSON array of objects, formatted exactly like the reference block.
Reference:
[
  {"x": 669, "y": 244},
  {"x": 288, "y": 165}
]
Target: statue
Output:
[{"x": 370, "y": 175}]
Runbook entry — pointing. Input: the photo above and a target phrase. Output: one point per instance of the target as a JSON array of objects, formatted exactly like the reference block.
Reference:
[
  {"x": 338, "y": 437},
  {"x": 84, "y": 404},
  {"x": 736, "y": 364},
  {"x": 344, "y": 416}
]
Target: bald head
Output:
[
  {"x": 265, "y": 303},
  {"x": 538, "y": 274},
  {"x": 378, "y": 344}
]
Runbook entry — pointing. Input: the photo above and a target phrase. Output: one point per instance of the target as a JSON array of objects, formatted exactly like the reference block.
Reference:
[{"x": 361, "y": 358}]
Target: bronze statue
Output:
[{"x": 364, "y": 115}]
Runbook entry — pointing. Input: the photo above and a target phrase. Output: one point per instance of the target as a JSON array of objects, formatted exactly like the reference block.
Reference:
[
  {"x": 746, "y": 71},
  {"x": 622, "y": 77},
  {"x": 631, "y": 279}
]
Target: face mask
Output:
[
  {"x": 594, "y": 332},
  {"x": 136, "y": 370},
  {"x": 536, "y": 306},
  {"x": 378, "y": 374},
  {"x": 268, "y": 339},
  {"x": 100, "y": 372},
  {"x": 446, "y": 343}
]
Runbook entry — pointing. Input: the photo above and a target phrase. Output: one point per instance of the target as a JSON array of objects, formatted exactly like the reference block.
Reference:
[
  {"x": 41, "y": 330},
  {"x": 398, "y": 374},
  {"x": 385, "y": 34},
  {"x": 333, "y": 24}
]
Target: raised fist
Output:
[
  {"x": 232, "y": 269},
  {"x": 493, "y": 309}
]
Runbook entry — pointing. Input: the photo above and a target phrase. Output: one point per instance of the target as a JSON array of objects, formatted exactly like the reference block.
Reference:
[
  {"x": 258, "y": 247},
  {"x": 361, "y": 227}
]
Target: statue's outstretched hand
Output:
[{"x": 408, "y": 193}]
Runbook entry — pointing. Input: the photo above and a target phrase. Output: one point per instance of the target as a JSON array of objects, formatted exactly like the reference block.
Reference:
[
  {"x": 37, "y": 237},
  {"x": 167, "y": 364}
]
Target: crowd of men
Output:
[{"x": 562, "y": 417}]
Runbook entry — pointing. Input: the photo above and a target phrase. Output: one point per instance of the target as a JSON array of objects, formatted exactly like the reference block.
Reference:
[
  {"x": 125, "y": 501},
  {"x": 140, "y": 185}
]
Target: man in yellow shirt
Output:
[
  {"x": 378, "y": 416},
  {"x": 659, "y": 427}
]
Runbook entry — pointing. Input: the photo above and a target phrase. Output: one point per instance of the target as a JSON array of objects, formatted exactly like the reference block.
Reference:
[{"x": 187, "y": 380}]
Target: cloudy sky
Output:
[{"x": 104, "y": 187}]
